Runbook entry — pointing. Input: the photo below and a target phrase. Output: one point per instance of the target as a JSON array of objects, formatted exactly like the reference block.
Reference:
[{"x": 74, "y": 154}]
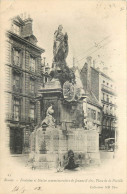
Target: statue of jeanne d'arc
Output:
[
  {"x": 60, "y": 47},
  {"x": 60, "y": 70}
]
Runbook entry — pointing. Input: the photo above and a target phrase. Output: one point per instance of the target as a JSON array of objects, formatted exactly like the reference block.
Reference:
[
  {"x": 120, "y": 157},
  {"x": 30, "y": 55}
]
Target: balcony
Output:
[
  {"x": 12, "y": 117},
  {"x": 17, "y": 89},
  {"x": 108, "y": 89},
  {"x": 21, "y": 119},
  {"x": 32, "y": 120},
  {"x": 16, "y": 64},
  {"x": 32, "y": 69},
  {"x": 109, "y": 114},
  {"x": 17, "y": 69},
  {"x": 32, "y": 93}
]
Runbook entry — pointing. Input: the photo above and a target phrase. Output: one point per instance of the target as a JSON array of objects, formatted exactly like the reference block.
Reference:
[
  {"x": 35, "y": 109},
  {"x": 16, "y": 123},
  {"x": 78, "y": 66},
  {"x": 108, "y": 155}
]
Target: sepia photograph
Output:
[{"x": 63, "y": 97}]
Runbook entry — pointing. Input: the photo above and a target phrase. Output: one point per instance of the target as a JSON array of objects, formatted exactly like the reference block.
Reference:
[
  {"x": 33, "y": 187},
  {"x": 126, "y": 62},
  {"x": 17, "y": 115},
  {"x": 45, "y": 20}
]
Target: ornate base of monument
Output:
[
  {"x": 61, "y": 131},
  {"x": 45, "y": 161},
  {"x": 54, "y": 152}
]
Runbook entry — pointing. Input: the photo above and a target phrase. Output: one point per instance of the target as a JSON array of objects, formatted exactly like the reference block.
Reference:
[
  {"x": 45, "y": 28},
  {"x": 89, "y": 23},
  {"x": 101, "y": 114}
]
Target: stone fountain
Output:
[{"x": 62, "y": 130}]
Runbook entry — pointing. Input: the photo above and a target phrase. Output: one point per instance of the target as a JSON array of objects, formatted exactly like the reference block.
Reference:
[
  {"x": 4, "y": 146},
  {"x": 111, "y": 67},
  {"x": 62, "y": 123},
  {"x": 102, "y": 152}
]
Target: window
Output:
[
  {"x": 111, "y": 110},
  {"x": 89, "y": 112},
  {"x": 46, "y": 79},
  {"x": 103, "y": 81},
  {"x": 32, "y": 64},
  {"x": 110, "y": 99},
  {"x": 104, "y": 108},
  {"x": 32, "y": 111},
  {"x": 103, "y": 96},
  {"x": 108, "y": 123},
  {"x": 32, "y": 84},
  {"x": 99, "y": 116},
  {"x": 16, "y": 57},
  {"x": 107, "y": 98},
  {"x": 107, "y": 84},
  {"x": 16, "y": 109},
  {"x": 107, "y": 109},
  {"x": 104, "y": 122},
  {"x": 111, "y": 123},
  {"x": 16, "y": 82},
  {"x": 93, "y": 114},
  {"x": 16, "y": 29}
]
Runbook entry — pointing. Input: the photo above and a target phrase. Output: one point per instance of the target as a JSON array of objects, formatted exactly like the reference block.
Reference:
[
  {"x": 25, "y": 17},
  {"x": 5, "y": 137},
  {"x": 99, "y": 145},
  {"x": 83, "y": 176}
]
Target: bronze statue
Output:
[{"x": 60, "y": 69}]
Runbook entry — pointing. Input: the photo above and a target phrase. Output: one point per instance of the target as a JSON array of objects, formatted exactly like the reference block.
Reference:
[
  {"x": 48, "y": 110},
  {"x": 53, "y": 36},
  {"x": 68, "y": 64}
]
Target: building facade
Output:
[
  {"x": 93, "y": 108},
  {"x": 104, "y": 90},
  {"x": 25, "y": 74},
  {"x": 108, "y": 101}
]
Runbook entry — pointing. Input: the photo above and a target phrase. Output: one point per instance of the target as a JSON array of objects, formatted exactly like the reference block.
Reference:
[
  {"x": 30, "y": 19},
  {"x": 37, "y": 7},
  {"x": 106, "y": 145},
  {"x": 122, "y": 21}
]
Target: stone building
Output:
[
  {"x": 103, "y": 88},
  {"x": 25, "y": 74},
  {"x": 108, "y": 100},
  {"x": 93, "y": 108}
]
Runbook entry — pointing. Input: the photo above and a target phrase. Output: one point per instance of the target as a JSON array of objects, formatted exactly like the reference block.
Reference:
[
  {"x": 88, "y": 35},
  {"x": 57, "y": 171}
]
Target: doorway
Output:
[{"x": 16, "y": 140}]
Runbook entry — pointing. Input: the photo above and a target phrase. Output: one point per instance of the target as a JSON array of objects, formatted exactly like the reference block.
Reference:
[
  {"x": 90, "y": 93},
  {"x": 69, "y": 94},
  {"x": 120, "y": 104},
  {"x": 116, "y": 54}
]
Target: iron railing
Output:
[{"x": 20, "y": 118}]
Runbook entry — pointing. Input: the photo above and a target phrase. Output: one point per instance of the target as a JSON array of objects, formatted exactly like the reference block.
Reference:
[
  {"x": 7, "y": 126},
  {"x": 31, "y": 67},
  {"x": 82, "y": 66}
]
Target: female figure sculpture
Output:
[
  {"x": 60, "y": 47},
  {"x": 60, "y": 70}
]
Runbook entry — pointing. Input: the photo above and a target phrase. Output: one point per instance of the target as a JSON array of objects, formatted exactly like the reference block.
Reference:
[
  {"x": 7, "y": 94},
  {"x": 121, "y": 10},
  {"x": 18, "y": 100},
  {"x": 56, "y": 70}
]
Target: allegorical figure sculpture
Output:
[
  {"x": 60, "y": 70},
  {"x": 60, "y": 46},
  {"x": 49, "y": 120}
]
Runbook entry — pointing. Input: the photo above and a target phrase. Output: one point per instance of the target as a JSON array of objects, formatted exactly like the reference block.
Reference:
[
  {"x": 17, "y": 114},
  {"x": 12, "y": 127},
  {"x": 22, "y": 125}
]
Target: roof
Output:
[
  {"x": 9, "y": 33},
  {"x": 18, "y": 20},
  {"x": 91, "y": 98},
  {"x": 103, "y": 74},
  {"x": 106, "y": 76}
]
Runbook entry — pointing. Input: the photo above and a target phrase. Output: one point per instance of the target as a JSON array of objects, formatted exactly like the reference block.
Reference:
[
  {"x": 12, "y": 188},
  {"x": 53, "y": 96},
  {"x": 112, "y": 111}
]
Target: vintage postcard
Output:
[{"x": 63, "y": 97}]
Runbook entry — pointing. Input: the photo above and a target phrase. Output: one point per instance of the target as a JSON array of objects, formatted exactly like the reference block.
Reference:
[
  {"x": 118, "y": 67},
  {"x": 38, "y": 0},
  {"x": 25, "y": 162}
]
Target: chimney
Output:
[
  {"x": 89, "y": 63},
  {"x": 89, "y": 60},
  {"x": 27, "y": 28}
]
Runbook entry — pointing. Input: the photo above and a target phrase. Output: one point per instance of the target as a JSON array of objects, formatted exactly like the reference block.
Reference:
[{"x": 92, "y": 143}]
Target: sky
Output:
[{"x": 94, "y": 28}]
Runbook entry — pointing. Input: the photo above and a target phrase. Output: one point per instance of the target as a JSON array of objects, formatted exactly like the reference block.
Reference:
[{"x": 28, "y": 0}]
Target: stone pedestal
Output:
[
  {"x": 49, "y": 148},
  {"x": 93, "y": 147}
]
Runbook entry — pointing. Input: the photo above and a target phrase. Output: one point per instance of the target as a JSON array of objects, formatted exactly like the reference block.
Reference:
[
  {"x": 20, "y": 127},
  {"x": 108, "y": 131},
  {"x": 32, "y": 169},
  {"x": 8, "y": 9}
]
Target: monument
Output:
[{"x": 63, "y": 140}]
